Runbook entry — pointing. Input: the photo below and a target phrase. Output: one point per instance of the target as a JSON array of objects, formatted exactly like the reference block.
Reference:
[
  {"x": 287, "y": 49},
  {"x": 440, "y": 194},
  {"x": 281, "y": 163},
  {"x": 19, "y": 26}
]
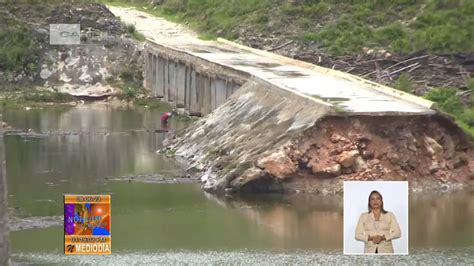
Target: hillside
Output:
[
  {"x": 107, "y": 59},
  {"x": 425, "y": 47}
]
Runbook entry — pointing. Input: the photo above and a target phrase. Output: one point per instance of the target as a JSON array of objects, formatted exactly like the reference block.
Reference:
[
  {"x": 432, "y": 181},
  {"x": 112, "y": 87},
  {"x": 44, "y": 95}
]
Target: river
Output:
[{"x": 98, "y": 149}]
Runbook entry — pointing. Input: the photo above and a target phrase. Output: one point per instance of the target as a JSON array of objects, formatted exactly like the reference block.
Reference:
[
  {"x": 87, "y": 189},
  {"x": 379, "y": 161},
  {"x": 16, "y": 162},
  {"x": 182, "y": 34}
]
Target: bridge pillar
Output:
[{"x": 180, "y": 85}]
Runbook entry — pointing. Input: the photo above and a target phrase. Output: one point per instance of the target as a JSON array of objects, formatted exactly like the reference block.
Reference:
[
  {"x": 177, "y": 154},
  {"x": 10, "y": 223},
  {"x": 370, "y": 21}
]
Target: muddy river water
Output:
[{"x": 97, "y": 149}]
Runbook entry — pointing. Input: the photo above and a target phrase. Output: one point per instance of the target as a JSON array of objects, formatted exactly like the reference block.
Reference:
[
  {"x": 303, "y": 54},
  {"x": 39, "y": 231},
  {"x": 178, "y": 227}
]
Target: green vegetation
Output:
[
  {"x": 404, "y": 83},
  {"x": 130, "y": 84},
  {"x": 17, "y": 48},
  {"x": 448, "y": 102},
  {"x": 339, "y": 27},
  {"x": 28, "y": 96},
  {"x": 130, "y": 29}
]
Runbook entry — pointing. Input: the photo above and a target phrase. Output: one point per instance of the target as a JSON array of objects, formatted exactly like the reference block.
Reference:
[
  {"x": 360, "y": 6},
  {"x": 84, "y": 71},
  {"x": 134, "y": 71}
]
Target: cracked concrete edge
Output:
[
  {"x": 303, "y": 96},
  {"x": 336, "y": 73}
]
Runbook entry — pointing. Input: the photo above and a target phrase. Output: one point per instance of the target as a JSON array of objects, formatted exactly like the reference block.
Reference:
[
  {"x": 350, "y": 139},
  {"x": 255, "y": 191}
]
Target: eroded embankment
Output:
[
  {"x": 267, "y": 139},
  {"x": 257, "y": 118},
  {"x": 429, "y": 152}
]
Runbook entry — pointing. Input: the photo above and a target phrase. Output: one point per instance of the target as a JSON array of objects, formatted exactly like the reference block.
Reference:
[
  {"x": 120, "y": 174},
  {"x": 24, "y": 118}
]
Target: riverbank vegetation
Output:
[{"x": 28, "y": 96}]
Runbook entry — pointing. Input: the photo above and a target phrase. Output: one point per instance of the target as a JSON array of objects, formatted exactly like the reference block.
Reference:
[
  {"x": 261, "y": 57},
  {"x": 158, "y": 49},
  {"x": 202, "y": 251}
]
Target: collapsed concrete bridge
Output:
[{"x": 276, "y": 124}]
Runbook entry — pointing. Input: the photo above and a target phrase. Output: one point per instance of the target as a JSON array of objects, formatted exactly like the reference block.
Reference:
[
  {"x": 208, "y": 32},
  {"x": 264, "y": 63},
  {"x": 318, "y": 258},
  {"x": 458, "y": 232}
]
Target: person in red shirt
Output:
[
  {"x": 165, "y": 116},
  {"x": 164, "y": 121}
]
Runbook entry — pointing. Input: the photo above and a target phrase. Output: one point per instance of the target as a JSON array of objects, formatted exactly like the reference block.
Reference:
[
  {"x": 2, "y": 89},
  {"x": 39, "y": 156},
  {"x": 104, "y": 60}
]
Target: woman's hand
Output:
[{"x": 376, "y": 239}]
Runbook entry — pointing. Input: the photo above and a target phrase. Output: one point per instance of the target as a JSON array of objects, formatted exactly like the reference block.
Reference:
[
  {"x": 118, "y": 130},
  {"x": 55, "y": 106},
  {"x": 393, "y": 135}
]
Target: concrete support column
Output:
[
  {"x": 166, "y": 79},
  {"x": 193, "y": 94},
  {"x": 153, "y": 74},
  {"x": 187, "y": 87},
  {"x": 195, "y": 106},
  {"x": 221, "y": 93},
  {"x": 206, "y": 103},
  {"x": 172, "y": 81},
  {"x": 160, "y": 78},
  {"x": 180, "y": 85},
  {"x": 147, "y": 78}
]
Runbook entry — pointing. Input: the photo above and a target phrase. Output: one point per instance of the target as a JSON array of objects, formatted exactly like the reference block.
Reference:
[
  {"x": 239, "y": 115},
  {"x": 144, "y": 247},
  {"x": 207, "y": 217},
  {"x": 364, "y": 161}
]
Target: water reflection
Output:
[
  {"x": 175, "y": 222},
  {"x": 295, "y": 221},
  {"x": 77, "y": 150},
  {"x": 442, "y": 220}
]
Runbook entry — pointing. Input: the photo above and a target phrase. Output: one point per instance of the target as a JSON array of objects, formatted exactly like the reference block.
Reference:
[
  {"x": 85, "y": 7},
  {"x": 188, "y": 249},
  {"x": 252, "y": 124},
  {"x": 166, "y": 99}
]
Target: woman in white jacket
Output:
[{"x": 377, "y": 227}]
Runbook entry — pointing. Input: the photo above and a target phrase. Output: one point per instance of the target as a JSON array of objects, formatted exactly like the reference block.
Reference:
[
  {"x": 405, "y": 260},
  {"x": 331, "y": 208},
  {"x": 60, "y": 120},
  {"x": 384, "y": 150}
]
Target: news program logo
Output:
[
  {"x": 64, "y": 34},
  {"x": 87, "y": 224}
]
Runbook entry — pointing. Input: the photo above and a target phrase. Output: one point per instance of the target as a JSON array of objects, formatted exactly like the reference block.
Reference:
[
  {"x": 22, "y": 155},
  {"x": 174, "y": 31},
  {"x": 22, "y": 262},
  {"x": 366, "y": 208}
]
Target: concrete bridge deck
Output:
[{"x": 343, "y": 92}]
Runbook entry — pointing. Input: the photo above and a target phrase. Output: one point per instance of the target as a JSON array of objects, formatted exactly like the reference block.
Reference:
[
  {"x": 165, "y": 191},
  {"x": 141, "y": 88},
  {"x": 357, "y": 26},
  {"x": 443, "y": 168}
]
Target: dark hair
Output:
[{"x": 380, "y": 195}]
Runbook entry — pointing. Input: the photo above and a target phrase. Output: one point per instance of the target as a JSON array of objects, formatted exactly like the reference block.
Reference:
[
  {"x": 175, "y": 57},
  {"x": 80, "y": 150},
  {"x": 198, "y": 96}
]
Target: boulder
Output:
[
  {"x": 433, "y": 146},
  {"x": 247, "y": 176},
  {"x": 277, "y": 164},
  {"x": 359, "y": 165},
  {"x": 334, "y": 170},
  {"x": 347, "y": 158}
]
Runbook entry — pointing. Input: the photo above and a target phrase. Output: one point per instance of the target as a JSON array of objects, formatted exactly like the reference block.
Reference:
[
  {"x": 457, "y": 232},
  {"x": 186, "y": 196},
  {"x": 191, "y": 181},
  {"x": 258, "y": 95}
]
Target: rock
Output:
[
  {"x": 346, "y": 171},
  {"x": 194, "y": 169},
  {"x": 394, "y": 158},
  {"x": 334, "y": 170},
  {"x": 335, "y": 151},
  {"x": 45, "y": 73},
  {"x": 434, "y": 167},
  {"x": 432, "y": 146},
  {"x": 247, "y": 176},
  {"x": 459, "y": 162},
  {"x": 368, "y": 154},
  {"x": 412, "y": 148},
  {"x": 350, "y": 147},
  {"x": 364, "y": 138},
  {"x": 348, "y": 158},
  {"x": 413, "y": 163},
  {"x": 359, "y": 165},
  {"x": 373, "y": 162},
  {"x": 449, "y": 147},
  {"x": 277, "y": 164},
  {"x": 335, "y": 138}
]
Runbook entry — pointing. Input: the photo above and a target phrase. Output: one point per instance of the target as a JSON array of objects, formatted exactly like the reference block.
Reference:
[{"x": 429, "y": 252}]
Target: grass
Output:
[
  {"x": 18, "y": 49},
  {"x": 32, "y": 97},
  {"x": 404, "y": 83},
  {"x": 449, "y": 102},
  {"x": 338, "y": 27},
  {"x": 130, "y": 29}
]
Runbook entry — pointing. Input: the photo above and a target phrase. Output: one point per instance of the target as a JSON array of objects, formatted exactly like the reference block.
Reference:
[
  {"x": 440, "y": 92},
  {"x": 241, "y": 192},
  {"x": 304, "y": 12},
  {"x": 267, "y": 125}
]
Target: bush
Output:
[
  {"x": 448, "y": 102},
  {"x": 446, "y": 99},
  {"x": 129, "y": 93},
  {"x": 17, "y": 48},
  {"x": 404, "y": 83}
]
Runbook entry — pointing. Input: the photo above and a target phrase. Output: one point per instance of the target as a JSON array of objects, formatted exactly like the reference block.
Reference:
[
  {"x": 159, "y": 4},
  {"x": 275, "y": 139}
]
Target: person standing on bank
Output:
[{"x": 378, "y": 227}]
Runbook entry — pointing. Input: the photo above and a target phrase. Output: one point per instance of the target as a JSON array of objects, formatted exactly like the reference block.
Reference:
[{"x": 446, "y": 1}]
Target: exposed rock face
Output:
[
  {"x": 416, "y": 149},
  {"x": 315, "y": 158},
  {"x": 348, "y": 158},
  {"x": 105, "y": 51},
  {"x": 83, "y": 70},
  {"x": 277, "y": 164},
  {"x": 247, "y": 132}
]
